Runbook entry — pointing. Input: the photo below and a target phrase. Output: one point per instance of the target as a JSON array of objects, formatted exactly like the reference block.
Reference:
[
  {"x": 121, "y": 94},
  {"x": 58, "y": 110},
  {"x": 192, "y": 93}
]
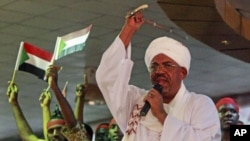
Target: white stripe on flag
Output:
[
  {"x": 38, "y": 62},
  {"x": 76, "y": 41}
]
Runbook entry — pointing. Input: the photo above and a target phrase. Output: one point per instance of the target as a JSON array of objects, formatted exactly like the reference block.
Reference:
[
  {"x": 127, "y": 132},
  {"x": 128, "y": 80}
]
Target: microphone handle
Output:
[
  {"x": 145, "y": 109},
  {"x": 147, "y": 106}
]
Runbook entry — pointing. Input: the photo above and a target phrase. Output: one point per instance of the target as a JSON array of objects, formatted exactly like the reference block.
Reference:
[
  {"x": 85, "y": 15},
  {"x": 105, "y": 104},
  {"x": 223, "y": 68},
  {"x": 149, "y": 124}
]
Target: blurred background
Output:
[{"x": 216, "y": 32}]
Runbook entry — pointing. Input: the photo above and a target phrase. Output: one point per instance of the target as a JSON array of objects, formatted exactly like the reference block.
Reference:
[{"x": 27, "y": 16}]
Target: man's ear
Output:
[
  {"x": 238, "y": 116},
  {"x": 183, "y": 73}
]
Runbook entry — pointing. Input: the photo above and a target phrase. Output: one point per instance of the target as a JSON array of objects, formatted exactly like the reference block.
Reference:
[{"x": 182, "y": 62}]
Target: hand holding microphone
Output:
[{"x": 147, "y": 106}]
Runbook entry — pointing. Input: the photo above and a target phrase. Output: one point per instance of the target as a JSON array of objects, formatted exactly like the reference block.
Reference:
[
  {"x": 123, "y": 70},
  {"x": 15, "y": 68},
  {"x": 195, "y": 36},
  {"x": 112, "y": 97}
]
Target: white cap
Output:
[{"x": 171, "y": 48}]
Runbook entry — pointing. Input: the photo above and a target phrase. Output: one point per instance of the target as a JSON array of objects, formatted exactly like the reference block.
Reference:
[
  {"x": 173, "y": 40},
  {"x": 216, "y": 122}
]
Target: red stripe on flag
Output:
[{"x": 45, "y": 55}]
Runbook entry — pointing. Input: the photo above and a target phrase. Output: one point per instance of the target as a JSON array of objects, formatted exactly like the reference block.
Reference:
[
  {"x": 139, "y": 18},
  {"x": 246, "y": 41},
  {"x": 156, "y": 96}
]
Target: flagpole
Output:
[
  {"x": 17, "y": 62},
  {"x": 65, "y": 89},
  {"x": 54, "y": 57},
  {"x": 57, "y": 46},
  {"x": 85, "y": 80},
  {"x": 13, "y": 76}
]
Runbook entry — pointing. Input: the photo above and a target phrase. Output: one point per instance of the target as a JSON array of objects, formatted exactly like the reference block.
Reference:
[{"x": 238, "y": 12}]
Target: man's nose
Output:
[
  {"x": 228, "y": 113},
  {"x": 55, "y": 132},
  {"x": 160, "y": 69},
  {"x": 116, "y": 128}
]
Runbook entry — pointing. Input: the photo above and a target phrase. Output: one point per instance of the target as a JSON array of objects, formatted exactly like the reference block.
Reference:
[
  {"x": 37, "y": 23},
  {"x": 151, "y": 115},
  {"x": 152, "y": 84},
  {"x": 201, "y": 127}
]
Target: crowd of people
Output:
[
  {"x": 175, "y": 113},
  {"x": 108, "y": 131},
  {"x": 63, "y": 123}
]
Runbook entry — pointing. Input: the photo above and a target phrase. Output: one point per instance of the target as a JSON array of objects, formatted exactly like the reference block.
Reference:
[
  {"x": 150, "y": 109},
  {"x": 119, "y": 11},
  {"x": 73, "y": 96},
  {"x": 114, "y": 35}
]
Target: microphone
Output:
[{"x": 146, "y": 106}]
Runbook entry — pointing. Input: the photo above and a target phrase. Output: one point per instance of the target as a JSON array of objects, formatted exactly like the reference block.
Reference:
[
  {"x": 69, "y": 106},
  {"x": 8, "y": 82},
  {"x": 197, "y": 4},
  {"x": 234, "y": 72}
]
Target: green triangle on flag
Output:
[
  {"x": 62, "y": 45},
  {"x": 24, "y": 56}
]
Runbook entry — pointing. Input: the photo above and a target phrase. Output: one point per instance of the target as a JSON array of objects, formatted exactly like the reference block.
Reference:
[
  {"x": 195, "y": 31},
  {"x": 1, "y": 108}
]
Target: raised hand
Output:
[
  {"x": 134, "y": 21},
  {"x": 45, "y": 98},
  {"x": 136, "y": 18},
  {"x": 52, "y": 75},
  {"x": 12, "y": 92},
  {"x": 81, "y": 89}
]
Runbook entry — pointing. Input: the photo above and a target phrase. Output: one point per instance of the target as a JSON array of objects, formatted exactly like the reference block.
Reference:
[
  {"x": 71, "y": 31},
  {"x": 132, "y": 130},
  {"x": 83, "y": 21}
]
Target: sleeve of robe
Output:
[
  {"x": 112, "y": 76},
  {"x": 204, "y": 123}
]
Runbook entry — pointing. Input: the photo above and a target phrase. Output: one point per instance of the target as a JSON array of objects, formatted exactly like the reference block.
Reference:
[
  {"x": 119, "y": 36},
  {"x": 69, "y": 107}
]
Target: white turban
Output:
[{"x": 171, "y": 48}]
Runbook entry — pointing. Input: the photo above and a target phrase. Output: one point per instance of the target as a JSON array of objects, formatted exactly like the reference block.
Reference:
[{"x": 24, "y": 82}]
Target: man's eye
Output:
[
  {"x": 168, "y": 65},
  {"x": 50, "y": 131},
  {"x": 233, "y": 111},
  {"x": 153, "y": 67}
]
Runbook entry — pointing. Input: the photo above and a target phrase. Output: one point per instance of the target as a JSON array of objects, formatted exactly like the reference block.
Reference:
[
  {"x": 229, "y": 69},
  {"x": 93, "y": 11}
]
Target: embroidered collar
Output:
[{"x": 178, "y": 97}]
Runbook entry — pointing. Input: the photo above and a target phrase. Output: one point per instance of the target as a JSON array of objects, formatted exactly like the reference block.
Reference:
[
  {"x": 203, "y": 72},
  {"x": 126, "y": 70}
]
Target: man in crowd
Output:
[
  {"x": 101, "y": 132},
  {"x": 73, "y": 130},
  {"x": 115, "y": 133},
  {"x": 81, "y": 91},
  {"x": 52, "y": 125},
  {"x": 228, "y": 111}
]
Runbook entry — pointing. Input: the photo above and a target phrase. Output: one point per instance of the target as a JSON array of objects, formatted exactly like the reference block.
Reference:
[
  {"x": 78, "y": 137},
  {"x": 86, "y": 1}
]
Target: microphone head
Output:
[{"x": 158, "y": 87}]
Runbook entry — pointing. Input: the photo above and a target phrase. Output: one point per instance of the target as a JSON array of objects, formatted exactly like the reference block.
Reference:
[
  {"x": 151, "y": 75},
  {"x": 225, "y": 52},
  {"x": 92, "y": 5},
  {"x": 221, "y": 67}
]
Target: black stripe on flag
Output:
[{"x": 32, "y": 69}]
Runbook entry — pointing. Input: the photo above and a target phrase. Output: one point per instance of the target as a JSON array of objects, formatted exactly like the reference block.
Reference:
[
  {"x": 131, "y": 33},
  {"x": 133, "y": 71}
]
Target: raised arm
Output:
[
  {"x": 23, "y": 127},
  {"x": 133, "y": 22},
  {"x": 68, "y": 115},
  {"x": 45, "y": 100},
  {"x": 81, "y": 90}
]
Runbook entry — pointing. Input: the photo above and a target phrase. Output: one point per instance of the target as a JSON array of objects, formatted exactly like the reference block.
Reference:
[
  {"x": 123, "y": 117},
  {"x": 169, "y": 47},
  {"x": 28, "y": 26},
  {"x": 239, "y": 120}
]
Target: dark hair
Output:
[
  {"x": 89, "y": 130},
  {"x": 57, "y": 113}
]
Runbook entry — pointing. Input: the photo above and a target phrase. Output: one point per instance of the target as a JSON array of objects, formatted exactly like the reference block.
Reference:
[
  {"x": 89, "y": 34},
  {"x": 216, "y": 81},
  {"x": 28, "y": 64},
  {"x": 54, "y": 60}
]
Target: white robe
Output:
[{"x": 191, "y": 117}]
